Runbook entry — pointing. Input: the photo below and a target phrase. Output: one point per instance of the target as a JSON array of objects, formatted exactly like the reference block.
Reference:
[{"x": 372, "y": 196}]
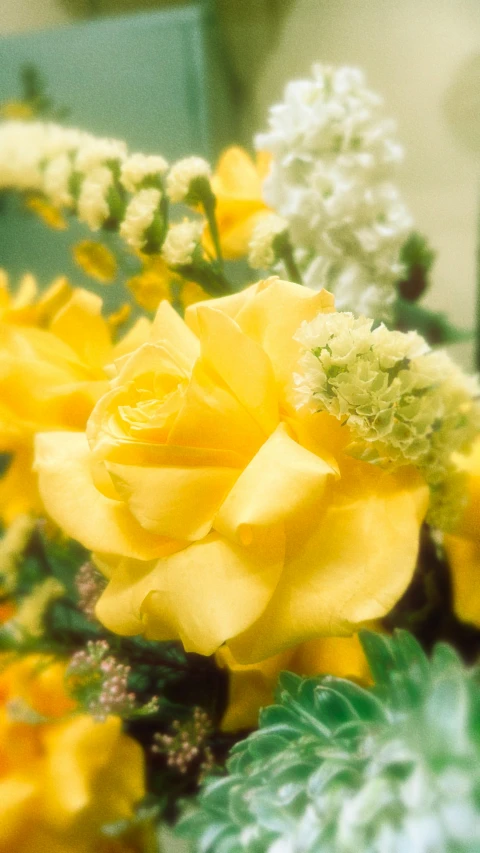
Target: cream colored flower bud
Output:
[
  {"x": 137, "y": 167},
  {"x": 261, "y": 253},
  {"x": 92, "y": 204},
  {"x": 181, "y": 242},
  {"x": 181, "y": 175},
  {"x": 139, "y": 216}
]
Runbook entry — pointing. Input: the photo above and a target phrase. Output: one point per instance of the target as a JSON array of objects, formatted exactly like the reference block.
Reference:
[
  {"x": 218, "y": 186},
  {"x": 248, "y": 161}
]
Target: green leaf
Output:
[{"x": 434, "y": 326}]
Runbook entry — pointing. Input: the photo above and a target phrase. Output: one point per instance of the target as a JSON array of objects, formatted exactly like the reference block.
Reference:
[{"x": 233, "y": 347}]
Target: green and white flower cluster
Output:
[
  {"x": 334, "y": 157},
  {"x": 403, "y": 403},
  {"x": 336, "y": 768}
]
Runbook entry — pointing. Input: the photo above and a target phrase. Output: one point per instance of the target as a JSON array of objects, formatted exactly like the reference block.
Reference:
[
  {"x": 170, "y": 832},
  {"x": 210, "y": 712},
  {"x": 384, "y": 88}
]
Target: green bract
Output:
[{"x": 336, "y": 768}]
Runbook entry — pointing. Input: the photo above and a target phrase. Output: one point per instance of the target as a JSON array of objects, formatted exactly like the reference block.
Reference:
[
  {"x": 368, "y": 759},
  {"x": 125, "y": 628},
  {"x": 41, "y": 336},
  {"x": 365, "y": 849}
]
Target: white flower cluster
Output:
[
  {"x": 182, "y": 174},
  {"x": 99, "y": 179},
  {"x": 403, "y": 403},
  {"x": 139, "y": 216},
  {"x": 334, "y": 156},
  {"x": 181, "y": 241},
  {"x": 261, "y": 247}
]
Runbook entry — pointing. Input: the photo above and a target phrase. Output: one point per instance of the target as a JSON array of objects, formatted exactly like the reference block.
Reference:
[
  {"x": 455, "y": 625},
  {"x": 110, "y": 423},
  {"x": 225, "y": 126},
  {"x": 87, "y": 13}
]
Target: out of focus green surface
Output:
[{"x": 157, "y": 80}]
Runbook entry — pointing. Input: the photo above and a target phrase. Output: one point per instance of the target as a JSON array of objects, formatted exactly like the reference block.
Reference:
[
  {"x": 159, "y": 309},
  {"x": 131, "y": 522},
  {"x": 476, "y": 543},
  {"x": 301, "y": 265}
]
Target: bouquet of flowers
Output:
[{"x": 254, "y": 484}]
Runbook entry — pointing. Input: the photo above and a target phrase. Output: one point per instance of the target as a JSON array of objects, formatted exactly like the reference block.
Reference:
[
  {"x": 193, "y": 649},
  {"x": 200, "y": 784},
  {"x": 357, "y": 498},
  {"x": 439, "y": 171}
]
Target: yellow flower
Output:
[
  {"x": 463, "y": 548},
  {"x": 219, "y": 512},
  {"x": 237, "y": 184},
  {"x": 53, "y": 354},
  {"x": 47, "y": 212},
  {"x": 62, "y": 775},
  {"x": 251, "y": 686}
]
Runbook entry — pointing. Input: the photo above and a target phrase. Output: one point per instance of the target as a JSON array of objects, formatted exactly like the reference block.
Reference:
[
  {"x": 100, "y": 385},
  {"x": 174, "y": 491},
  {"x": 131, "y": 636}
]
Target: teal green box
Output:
[{"x": 158, "y": 80}]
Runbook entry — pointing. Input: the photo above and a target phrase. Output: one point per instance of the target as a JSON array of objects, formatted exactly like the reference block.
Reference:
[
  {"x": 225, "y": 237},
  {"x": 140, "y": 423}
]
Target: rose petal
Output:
[
  {"x": 241, "y": 363},
  {"x": 202, "y": 595},
  {"x": 282, "y": 481},
  {"x": 66, "y": 486},
  {"x": 176, "y": 502},
  {"x": 352, "y": 568}
]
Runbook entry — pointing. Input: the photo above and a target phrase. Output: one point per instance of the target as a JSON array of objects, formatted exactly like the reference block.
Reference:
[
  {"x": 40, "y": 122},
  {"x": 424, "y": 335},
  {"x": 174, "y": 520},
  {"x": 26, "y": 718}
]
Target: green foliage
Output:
[
  {"x": 336, "y": 768},
  {"x": 417, "y": 258},
  {"x": 434, "y": 326}
]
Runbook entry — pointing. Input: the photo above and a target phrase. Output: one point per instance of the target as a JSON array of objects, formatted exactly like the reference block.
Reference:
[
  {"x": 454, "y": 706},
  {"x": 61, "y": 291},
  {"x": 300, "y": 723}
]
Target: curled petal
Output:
[{"x": 68, "y": 492}]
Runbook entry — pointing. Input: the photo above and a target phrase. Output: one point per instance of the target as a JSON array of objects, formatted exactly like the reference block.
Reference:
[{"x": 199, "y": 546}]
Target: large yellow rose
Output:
[
  {"x": 53, "y": 354},
  {"x": 62, "y": 774},
  {"x": 219, "y": 513},
  {"x": 463, "y": 548}
]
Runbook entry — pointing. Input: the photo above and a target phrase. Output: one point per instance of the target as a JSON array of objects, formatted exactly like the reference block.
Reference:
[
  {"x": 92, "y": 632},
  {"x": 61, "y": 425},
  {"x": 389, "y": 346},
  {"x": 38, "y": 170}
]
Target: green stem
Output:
[
  {"x": 285, "y": 254},
  {"x": 209, "y": 203}
]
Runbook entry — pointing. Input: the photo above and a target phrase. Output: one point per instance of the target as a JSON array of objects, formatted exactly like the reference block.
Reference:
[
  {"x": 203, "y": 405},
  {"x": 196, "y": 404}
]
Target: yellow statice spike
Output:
[
  {"x": 47, "y": 212},
  {"x": 96, "y": 260},
  {"x": 152, "y": 285},
  {"x": 237, "y": 184}
]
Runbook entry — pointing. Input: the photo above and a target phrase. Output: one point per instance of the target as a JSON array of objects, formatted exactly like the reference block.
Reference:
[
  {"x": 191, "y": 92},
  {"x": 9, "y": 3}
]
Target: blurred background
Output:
[{"x": 181, "y": 79}]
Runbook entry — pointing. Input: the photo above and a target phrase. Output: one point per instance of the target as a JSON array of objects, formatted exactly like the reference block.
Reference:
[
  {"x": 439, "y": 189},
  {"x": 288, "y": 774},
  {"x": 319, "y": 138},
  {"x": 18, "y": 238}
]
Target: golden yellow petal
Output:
[
  {"x": 47, "y": 212},
  {"x": 96, "y": 260},
  {"x": 15, "y": 794},
  {"x": 283, "y": 481},
  {"x": 18, "y": 487},
  {"x": 179, "y": 503},
  {"x": 80, "y": 324},
  {"x": 464, "y": 558},
  {"x": 353, "y": 567},
  {"x": 241, "y": 363},
  {"x": 169, "y": 329},
  {"x": 66, "y": 486},
  {"x": 201, "y": 595},
  {"x": 212, "y": 417}
]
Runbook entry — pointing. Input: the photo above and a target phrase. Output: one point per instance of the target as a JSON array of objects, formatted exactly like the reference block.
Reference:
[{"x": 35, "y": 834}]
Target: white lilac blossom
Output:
[
  {"x": 334, "y": 157},
  {"x": 402, "y": 403}
]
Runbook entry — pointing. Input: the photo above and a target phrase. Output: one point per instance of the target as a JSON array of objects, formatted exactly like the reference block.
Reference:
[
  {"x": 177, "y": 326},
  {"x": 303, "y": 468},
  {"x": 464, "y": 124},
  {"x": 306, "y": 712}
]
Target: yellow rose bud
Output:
[
  {"x": 62, "y": 774},
  {"x": 219, "y": 512}
]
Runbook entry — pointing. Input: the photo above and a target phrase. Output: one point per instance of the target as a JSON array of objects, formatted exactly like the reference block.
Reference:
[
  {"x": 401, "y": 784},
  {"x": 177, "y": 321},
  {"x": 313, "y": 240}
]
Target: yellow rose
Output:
[
  {"x": 219, "y": 513},
  {"x": 62, "y": 775},
  {"x": 252, "y": 686},
  {"x": 53, "y": 354},
  {"x": 237, "y": 184},
  {"x": 463, "y": 548}
]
